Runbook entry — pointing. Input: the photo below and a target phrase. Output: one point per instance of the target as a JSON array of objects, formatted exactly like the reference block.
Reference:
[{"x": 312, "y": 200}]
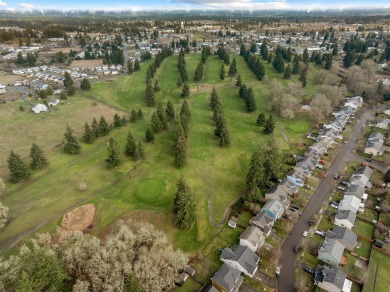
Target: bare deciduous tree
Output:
[
  {"x": 320, "y": 107},
  {"x": 284, "y": 105}
]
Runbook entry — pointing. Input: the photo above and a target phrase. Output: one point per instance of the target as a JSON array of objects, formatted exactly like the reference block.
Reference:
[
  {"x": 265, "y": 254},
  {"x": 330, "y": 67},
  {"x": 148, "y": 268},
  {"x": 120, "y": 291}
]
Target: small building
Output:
[
  {"x": 350, "y": 203},
  {"x": 344, "y": 235},
  {"x": 382, "y": 124},
  {"x": 345, "y": 218},
  {"x": 53, "y": 102},
  {"x": 355, "y": 190},
  {"x": 278, "y": 193},
  {"x": 331, "y": 252},
  {"x": 39, "y": 85},
  {"x": 232, "y": 224},
  {"x": 227, "y": 279},
  {"x": 374, "y": 144},
  {"x": 288, "y": 187},
  {"x": 332, "y": 279},
  {"x": 241, "y": 258},
  {"x": 274, "y": 209},
  {"x": 297, "y": 177},
  {"x": 252, "y": 237}
]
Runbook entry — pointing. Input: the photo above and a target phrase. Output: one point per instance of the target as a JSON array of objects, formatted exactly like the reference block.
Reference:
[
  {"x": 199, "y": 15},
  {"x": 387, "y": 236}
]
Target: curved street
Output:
[{"x": 286, "y": 280}]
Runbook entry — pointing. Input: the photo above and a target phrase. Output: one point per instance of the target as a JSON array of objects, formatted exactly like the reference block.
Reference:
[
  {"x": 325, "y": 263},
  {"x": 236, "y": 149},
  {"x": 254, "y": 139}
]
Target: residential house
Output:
[
  {"x": 252, "y": 237},
  {"x": 382, "y": 124},
  {"x": 278, "y": 193},
  {"x": 344, "y": 235},
  {"x": 39, "y": 108},
  {"x": 345, "y": 218},
  {"x": 241, "y": 258},
  {"x": 307, "y": 162},
  {"x": 332, "y": 279},
  {"x": 365, "y": 171},
  {"x": 357, "y": 191},
  {"x": 374, "y": 144},
  {"x": 274, "y": 209},
  {"x": 288, "y": 187},
  {"x": 331, "y": 252},
  {"x": 53, "y": 102},
  {"x": 350, "y": 203},
  {"x": 227, "y": 279},
  {"x": 297, "y": 177},
  {"x": 38, "y": 85},
  {"x": 360, "y": 179},
  {"x": 262, "y": 221}
]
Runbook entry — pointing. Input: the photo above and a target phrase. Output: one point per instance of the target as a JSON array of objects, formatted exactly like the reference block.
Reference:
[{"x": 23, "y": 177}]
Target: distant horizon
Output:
[{"x": 192, "y": 5}]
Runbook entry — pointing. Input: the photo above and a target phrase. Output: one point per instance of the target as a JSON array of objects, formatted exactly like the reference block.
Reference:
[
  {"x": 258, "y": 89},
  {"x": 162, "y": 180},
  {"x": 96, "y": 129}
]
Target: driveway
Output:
[{"x": 286, "y": 280}]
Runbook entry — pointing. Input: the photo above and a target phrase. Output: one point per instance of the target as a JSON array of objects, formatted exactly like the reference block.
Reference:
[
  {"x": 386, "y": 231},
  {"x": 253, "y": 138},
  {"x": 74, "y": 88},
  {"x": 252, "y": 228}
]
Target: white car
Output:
[
  {"x": 277, "y": 272},
  {"x": 305, "y": 234}
]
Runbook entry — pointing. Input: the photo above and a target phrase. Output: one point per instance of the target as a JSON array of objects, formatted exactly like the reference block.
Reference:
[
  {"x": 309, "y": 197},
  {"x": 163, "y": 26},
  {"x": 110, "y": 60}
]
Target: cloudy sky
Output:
[{"x": 191, "y": 4}]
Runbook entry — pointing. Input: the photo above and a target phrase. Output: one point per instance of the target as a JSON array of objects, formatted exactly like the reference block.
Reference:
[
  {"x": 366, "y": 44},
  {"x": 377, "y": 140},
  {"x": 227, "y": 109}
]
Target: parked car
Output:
[
  {"x": 333, "y": 206},
  {"x": 277, "y": 272},
  {"x": 309, "y": 270},
  {"x": 325, "y": 174},
  {"x": 292, "y": 209},
  {"x": 311, "y": 222},
  {"x": 341, "y": 189},
  {"x": 369, "y": 159},
  {"x": 336, "y": 176},
  {"x": 319, "y": 233},
  {"x": 320, "y": 166},
  {"x": 286, "y": 216},
  {"x": 295, "y": 207},
  {"x": 334, "y": 203},
  {"x": 297, "y": 248},
  {"x": 305, "y": 233},
  {"x": 344, "y": 183}
]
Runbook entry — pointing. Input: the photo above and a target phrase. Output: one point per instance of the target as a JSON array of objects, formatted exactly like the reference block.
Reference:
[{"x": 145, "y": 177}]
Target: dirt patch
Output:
[
  {"x": 86, "y": 63},
  {"x": 80, "y": 219},
  {"x": 7, "y": 78}
]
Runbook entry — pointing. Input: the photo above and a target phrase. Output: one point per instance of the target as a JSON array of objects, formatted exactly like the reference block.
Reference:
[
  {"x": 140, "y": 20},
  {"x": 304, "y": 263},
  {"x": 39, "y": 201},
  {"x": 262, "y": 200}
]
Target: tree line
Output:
[{"x": 221, "y": 131}]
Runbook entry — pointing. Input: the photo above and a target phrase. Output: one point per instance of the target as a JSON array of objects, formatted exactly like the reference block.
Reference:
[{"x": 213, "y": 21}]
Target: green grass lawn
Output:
[
  {"x": 364, "y": 229},
  {"x": 364, "y": 249},
  {"x": 214, "y": 174},
  {"x": 378, "y": 272}
]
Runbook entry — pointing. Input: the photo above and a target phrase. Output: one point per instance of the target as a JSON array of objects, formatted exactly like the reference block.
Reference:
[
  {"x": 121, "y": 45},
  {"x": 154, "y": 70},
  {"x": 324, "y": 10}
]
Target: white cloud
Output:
[
  {"x": 2, "y": 3},
  {"x": 26, "y": 5}
]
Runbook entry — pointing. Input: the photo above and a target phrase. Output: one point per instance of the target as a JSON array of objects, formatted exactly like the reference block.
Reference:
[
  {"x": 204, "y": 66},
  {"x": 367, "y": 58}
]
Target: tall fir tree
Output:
[
  {"x": 149, "y": 95},
  {"x": 270, "y": 58},
  {"x": 141, "y": 150},
  {"x": 214, "y": 99},
  {"x": 104, "y": 127},
  {"x": 183, "y": 121},
  {"x": 185, "y": 110},
  {"x": 114, "y": 156},
  {"x": 170, "y": 111},
  {"x": 184, "y": 206},
  {"x": 155, "y": 123},
  {"x": 149, "y": 135},
  {"x": 269, "y": 126},
  {"x": 180, "y": 147},
  {"x": 137, "y": 65},
  {"x": 250, "y": 101},
  {"x": 198, "y": 72},
  {"x": 239, "y": 81},
  {"x": 303, "y": 76},
  {"x": 295, "y": 69},
  {"x": 130, "y": 67},
  {"x": 224, "y": 140},
  {"x": 222, "y": 72},
  {"x": 278, "y": 63},
  {"x": 287, "y": 72},
  {"x": 260, "y": 119},
  {"x": 130, "y": 145},
  {"x": 133, "y": 116},
  {"x": 38, "y": 159},
  {"x": 264, "y": 50},
  {"x": 18, "y": 168},
  {"x": 162, "y": 116},
  {"x": 306, "y": 57},
  {"x": 85, "y": 84},
  {"x": 71, "y": 145},
  {"x": 185, "y": 91},
  {"x": 95, "y": 128},
  {"x": 140, "y": 114},
  {"x": 88, "y": 136},
  {"x": 117, "y": 121},
  {"x": 156, "y": 86},
  {"x": 233, "y": 68}
]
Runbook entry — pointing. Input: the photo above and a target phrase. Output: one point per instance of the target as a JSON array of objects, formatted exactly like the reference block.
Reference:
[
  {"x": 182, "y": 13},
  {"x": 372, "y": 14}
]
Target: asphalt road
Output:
[{"x": 286, "y": 280}]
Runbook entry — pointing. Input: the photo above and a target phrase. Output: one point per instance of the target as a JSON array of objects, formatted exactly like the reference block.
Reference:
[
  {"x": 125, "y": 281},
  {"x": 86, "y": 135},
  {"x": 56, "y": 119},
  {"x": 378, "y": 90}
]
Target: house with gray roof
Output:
[
  {"x": 345, "y": 218},
  {"x": 278, "y": 193},
  {"x": 262, "y": 221},
  {"x": 355, "y": 190},
  {"x": 252, "y": 237},
  {"x": 350, "y": 203},
  {"x": 374, "y": 144},
  {"x": 227, "y": 279},
  {"x": 365, "y": 171},
  {"x": 274, "y": 209},
  {"x": 241, "y": 258},
  {"x": 288, "y": 187},
  {"x": 344, "y": 235},
  {"x": 306, "y": 161},
  {"x": 360, "y": 179},
  {"x": 382, "y": 124},
  {"x": 297, "y": 177},
  {"x": 331, "y": 252},
  {"x": 331, "y": 279}
]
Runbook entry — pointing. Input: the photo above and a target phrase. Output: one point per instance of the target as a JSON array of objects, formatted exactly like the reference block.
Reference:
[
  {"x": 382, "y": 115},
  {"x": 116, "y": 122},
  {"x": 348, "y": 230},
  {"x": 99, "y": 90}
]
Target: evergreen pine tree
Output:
[
  {"x": 180, "y": 147},
  {"x": 224, "y": 140},
  {"x": 295, "y": 69},
  {"x": 104, "y": 128},
  {"x": 199, "y": 72},
  {"x": 95, "y": 128},
  {"x": 306, "y": 56},
  {"x": 38, "y": 159},
  {"x": 71, "y": 145},
  {"x": 67, "y": 80},
  {"x": 130, "y": 67},
  {"x": 233, "y": 68},
  {"x": 264, "y": 50},
  {"x": 185, "y": 91},
  {"x": 162, "y": 116},
  {"x": 113, "y": 158},
  {"x": 269, "y": 126},
  {"x": 149, "y": 95},
  {"x": 184, "y": 206},
  {"x": 136, "y": 155},
  {"x": 303, "y": 76},
  {"x": 170, "y": 111},
  {"x": 149, "y": 135},
  {"x": 156, "y": 86},
  {"x": 270, "y": 58},
  {"x": 141, "y": 150},
  {"x": 278, "y": 63},
  {"x": 179, "y": 82},
  {"x": 88, "y": 136},
  {"x": 183, "y": 121},
  {"x": 130, "y": 144},
  {"x": 259, "y": 69},
  {"x": 117, "y": 121},
  {"x": 124, "y": 120},
  {"x": 287, "y": 72},
  {"x": 137, "y": 65},
  {"x": 185, "y": 110},
  {"x": 239, "y": 81},
  {"x": 155, "y": 123},
  {"x": 250, "y": 101},
  {"x": 17, "y": 167},
  {"x": 222, "y": 72},
  {"x": 140, "y": 114},
  {"x": 214, "y": 99},
  {"x": 133, "y": 116},
  {"x": 260, "y": 119},
  {"x": 85, "y": 85}
]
